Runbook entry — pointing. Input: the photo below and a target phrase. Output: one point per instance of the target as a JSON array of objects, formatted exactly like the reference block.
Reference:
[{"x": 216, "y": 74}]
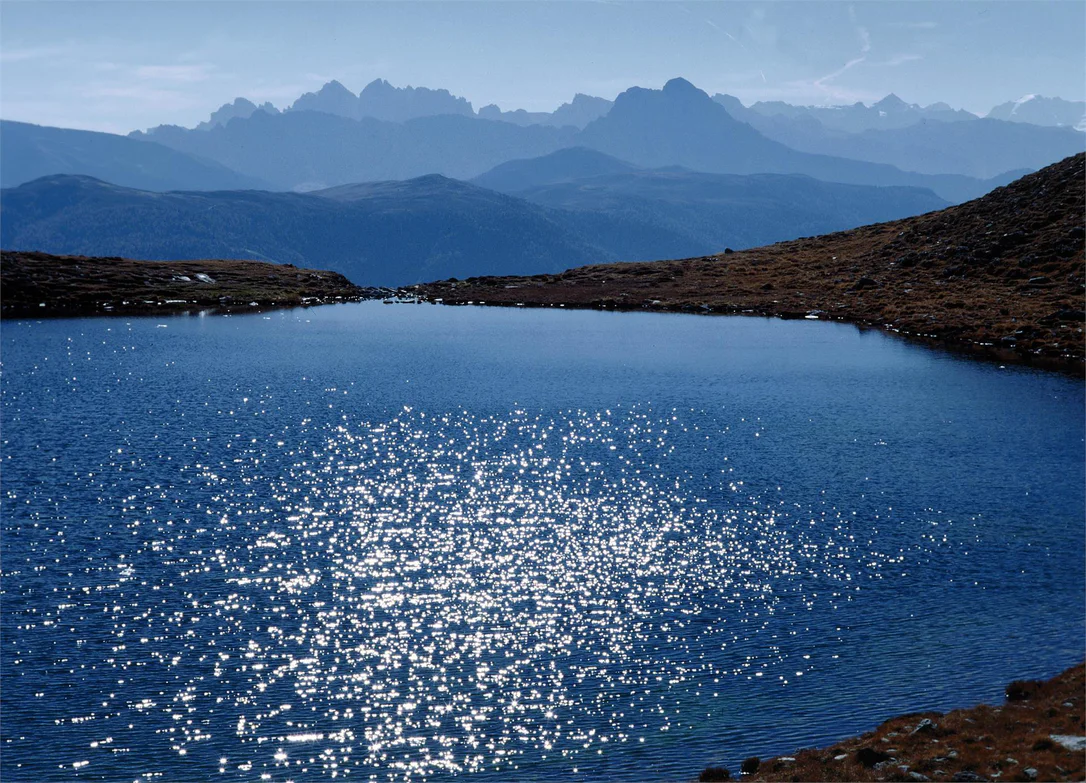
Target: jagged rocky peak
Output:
[
  {"x": 332, "y": 98},
  {"x": 241, "y": 108},
  {"x": 384, "y": 101}
]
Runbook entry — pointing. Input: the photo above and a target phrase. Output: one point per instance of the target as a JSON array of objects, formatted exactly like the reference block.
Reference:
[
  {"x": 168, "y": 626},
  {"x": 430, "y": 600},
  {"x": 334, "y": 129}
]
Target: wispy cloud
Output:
[
  {"x": 28, "y": 53},
  {"x": 176, "y": 74},
  {"x": 862, "y": 33},
  {"x": 894, "y": 61}
]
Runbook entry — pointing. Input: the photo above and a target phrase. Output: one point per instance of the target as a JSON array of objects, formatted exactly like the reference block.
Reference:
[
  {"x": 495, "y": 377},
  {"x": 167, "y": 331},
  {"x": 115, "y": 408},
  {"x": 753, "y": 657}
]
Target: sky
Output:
[{"x": 117, "y": 67}]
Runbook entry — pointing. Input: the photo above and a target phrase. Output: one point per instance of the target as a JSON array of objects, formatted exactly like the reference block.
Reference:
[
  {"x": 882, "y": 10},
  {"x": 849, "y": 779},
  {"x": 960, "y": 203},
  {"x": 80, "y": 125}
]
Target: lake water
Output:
[{"x": 407, "y": 542}]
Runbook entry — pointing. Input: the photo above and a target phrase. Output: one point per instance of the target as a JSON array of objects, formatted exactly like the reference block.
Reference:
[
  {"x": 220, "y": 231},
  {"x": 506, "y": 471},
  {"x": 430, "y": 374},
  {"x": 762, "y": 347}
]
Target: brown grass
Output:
[
  {"x": 38, "y": 285},
  {"x": 994, "y": 743}
]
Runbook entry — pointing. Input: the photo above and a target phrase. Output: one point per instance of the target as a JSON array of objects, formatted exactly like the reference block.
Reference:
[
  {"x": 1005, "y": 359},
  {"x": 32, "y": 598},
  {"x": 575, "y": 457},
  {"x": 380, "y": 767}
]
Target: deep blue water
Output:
[{"x": 381, "y": 542}]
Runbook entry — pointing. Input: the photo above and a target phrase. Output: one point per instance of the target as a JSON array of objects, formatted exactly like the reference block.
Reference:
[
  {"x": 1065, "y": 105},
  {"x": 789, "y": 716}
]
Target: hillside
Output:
[
  {"x": 37, "y": 285},
  {"x": 1001, "y": 274},
  {"x": 397, "y": 233},
  {"x": 28, "y": 152}
]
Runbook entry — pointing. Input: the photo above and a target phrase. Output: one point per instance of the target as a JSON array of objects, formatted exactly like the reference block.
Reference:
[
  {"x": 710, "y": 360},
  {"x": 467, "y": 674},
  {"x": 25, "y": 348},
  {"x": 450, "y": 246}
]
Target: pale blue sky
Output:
[{"x": 120, "y": 66}]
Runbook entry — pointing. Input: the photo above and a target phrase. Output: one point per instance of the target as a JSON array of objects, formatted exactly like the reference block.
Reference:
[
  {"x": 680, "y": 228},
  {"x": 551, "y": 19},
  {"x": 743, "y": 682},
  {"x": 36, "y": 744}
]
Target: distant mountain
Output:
[
  {"x": 392, "y": 233},
  {"x": 1039, "y": 110},
  {"x": 28, "y": 152},
  {"x": 979, "y": 148},
  {"x": 565, "y": 165},
  {"x": 380, "y": 234},
  {"x": 332, "y": 98},
  {"x": 681, "y": 125},
  {"x": 666, "y": 213},
  {"x": 890, "y": 112},
  {"x": 578, "y": 113},
  {"x": 241, "y": 107},
  {"x": 381, "y": 100},
  {"x": 309, "y": 150}
]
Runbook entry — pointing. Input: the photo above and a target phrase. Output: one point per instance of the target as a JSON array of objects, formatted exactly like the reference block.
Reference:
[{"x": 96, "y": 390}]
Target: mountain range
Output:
[
  {"x": 381, "y": 100},
  {"x": 678, "y": 125},
  {"x": 927, "y": 144},
  {"x": 400, "y": 232}
]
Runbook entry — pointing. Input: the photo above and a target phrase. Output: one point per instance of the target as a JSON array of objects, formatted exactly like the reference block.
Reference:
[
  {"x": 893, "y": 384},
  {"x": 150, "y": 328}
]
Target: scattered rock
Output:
[
  {"x": 750, "y": 766},
  {"x": 1030, "y": 773},
  {"x": 918, "y": 776}
]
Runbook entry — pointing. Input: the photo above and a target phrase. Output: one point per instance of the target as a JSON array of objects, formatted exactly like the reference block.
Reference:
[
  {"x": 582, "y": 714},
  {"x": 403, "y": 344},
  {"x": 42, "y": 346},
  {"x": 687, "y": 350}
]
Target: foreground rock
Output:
[
  {"x": 34, "y": 285},
  {"x": 1002, "y": 275},
  {"x": 1038, "y": 734}
]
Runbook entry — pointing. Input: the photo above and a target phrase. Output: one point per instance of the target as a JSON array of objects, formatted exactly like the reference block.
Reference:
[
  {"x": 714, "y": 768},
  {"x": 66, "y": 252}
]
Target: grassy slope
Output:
[{"x": 37, "y": 284}]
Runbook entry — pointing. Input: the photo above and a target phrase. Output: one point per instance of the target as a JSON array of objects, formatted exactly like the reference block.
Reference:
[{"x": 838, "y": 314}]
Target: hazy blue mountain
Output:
[
  {"x": 981, "y": 148},
  {"x": 381, "y": 100},
  {"x": 565, "y": 165},
  {"x": 28, "y": 152},
  {"x": 681, "y": 125},
  {"x": 517, "y": 116},
  {"x": 378, "y": 234},
  {"x": 390, "y": 233},
  {"x": 332, "y": 98},
  {"x": 890, "y": 112},
  {"x": 673, "y": 212},
  {"x": 308, "y": 150},
  {"x": 582, "y": 110},
  {"x": 241, "y": 107},
  {"x": 1039, "y": 110}
]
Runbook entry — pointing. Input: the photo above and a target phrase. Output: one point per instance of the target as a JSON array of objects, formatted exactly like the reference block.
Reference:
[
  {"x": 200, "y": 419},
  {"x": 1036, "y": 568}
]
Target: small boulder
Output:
[
  {"x": 926, "y": 726},
  {"x": 714, "y": 774},
  {"x": 1030, "y": 773},
  {"x": 869, "y": 757},
  {"x": 1070, "y": 741},
  {"x": 967, "y": 776},
  {"x": 917, "y": 776}
]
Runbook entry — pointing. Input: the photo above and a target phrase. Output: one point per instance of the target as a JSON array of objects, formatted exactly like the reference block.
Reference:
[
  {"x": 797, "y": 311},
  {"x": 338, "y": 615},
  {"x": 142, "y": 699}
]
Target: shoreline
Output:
[
  {"x": 1002, "y": 277},
  {"x": 979, "y": 351},
  {"x": 39, "y": 285},
  {"x": 1038, "y": 733}
]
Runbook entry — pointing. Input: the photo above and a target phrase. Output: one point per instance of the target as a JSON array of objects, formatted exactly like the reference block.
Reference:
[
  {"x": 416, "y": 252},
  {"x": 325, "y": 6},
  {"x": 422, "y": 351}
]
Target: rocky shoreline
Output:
[
  {"x": 1038, "y": 734},
  {"x": 1002, "y": 277},
  {"x": 39, "y": 285}
]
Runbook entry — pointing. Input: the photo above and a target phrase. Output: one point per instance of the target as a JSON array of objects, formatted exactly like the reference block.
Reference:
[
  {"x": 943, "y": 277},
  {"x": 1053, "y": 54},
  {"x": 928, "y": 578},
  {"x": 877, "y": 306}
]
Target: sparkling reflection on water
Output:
[{"x": 263, "y": 564}]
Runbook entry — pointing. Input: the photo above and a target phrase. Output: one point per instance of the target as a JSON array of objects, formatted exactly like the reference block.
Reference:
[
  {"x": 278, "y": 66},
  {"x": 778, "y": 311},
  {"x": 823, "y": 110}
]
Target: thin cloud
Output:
[
  {"x": 900, "y": 59},
  {"x": 177, "y": 74},
  {"x": 25, "y": 54}
]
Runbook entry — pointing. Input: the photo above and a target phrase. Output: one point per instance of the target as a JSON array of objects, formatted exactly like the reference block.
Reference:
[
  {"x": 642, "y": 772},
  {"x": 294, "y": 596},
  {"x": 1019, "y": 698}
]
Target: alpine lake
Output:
[{"x": 404, "y": 542}]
